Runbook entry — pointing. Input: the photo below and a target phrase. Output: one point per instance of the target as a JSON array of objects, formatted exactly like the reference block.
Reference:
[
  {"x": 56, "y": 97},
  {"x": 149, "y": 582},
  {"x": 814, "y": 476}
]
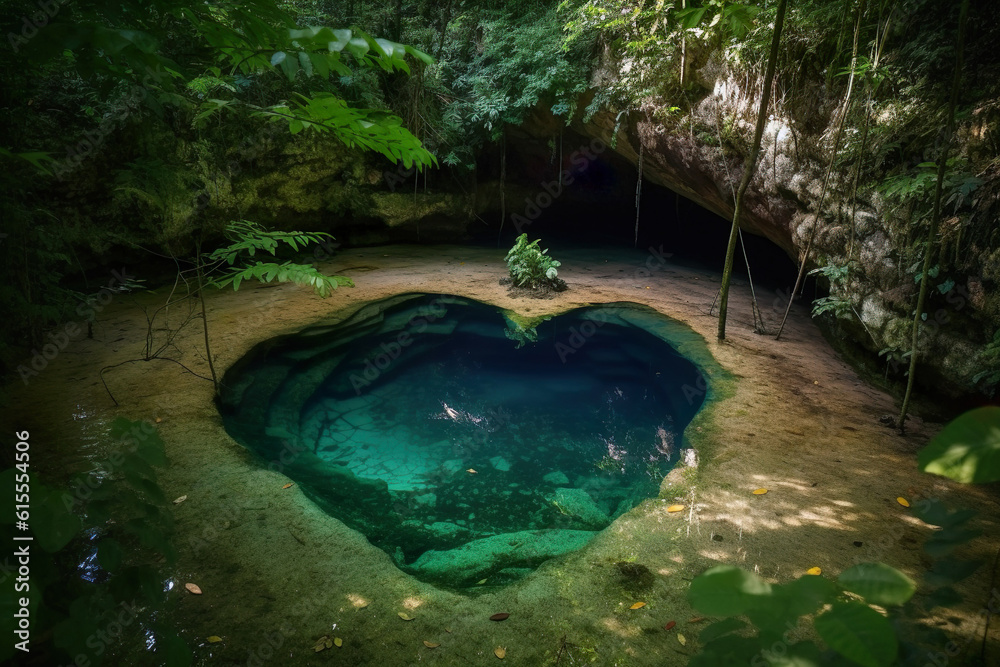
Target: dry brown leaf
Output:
[
  {"x": 288, "y": 486},
  {"x": 193, "y": 588}
]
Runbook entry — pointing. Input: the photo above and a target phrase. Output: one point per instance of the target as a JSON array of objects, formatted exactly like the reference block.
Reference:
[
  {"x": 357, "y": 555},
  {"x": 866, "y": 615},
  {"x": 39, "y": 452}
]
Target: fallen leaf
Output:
[
  {"x": 502, "y": 616},
  {"x": 500, "y": 652},
  {"x": 815, "y": 381},
  {"x": 289, "y": 485},
  {"x": 158, "y": 420},
  {"x": 682, "y": 639},
  {"x": 448, "y": 630},
  {"x": 338, "y": 642},
  {"x": 472, "y": 471},
  {"x": 675, "y": 508},
  {"x": 638, "y": 605},
  {"x": 480, "y": 582},
  {"x": 178, "y": 501},
  {"x": 403, "y": 615},
  {"x": 814, "y": 570},
  {"x": 322, "y": 643},
  {"x": 670, "y": 625},
  {"x": 903, "y": 501},
  {"x": 759, "y": 492},
  {"x": 214, "y": 639},
  {"x": 193, "y": 588},
  {"x": 696, "y": 619},
  {"x": 430, "y": 644}
]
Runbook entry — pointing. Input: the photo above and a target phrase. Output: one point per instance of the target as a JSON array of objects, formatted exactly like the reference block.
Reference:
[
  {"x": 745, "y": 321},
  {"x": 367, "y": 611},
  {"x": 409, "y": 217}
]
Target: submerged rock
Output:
[
  {"x": 500, "y": 463},
  {"x": 556, "y": 479},
  {"x": 478, "y": 558},
  {"x": 578, "y": 504}
]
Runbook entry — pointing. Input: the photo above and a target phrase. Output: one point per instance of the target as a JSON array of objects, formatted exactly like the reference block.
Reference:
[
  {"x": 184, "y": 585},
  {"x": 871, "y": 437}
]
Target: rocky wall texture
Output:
[{"x": 701, "y": 157}]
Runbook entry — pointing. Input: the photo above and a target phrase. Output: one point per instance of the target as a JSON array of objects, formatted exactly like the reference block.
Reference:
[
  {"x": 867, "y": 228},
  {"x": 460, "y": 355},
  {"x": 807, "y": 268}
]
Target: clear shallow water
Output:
[{"x": 463, "y": 447}]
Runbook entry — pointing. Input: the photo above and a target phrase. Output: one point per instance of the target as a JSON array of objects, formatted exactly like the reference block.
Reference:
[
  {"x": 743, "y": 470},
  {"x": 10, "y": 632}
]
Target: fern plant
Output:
[
  {"x": 532, "y": 268},
  {"x": 249, "y": 237}
]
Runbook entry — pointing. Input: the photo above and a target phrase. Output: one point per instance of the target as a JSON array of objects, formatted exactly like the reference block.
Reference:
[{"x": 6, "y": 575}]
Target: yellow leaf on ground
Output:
[
  {"x": 472, "y": 471},
  {"x": 288, "y": 486},
  {"x": 759, "y": 492},
  {"x": 214, "y": 639},
  {"x": 500, "y": 652},
  {"x": 193, "y": 588},
  {"x": 430, "y": 644},
  {"x": 903, "y": 501},
  {"x": 338, "y": 642},
  {"x": 814, "y": 570},
  {"x": 178, "y": 501},
  {"x": 682, "y": 639},
  {"x": 675, "y": 508},
  {"x": 403, "y": 615},
  {"x": 638, "y": 605}
]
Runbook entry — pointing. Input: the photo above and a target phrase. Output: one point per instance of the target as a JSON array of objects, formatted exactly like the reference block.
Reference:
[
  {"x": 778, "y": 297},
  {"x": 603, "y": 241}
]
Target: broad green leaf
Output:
[
  {"x": 878, "y": 583},
  {"x": 967, "y": 449},
  {"x": 52, "y": 524},
  {"x": 725, "y": 590},
  {"x": 720, "y": 628},
  {"x": 278, "y": 58},
  {"x": 859, "y": 633},
  {"x": 109, "y": 554}
]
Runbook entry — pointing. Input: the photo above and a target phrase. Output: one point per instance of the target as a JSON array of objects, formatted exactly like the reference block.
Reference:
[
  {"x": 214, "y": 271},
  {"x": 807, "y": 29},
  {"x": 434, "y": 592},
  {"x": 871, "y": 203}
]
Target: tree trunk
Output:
[
  {"x": 931, "y": 243},
  {"x": 750, "y": 166}
]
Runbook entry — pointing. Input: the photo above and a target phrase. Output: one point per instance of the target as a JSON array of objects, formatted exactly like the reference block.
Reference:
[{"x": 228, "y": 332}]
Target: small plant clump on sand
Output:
[{"x": 532, "y": 269}]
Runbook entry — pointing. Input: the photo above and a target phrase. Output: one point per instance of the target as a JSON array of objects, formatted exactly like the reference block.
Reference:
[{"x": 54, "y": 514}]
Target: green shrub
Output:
[{"x": 532, "y": 268}]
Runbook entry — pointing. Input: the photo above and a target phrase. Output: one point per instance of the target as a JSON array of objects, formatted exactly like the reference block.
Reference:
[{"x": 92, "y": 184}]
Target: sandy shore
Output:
[{"x": 277, "y": 573}]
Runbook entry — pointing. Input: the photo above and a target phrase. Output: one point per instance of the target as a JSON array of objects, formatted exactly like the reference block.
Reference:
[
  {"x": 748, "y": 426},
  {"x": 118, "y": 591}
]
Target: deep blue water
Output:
[{"x": 436, "y": 423}]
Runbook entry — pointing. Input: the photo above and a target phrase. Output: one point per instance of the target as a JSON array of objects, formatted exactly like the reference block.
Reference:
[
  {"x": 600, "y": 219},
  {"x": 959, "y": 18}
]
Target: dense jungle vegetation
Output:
[{"x": 146, "y": 127}]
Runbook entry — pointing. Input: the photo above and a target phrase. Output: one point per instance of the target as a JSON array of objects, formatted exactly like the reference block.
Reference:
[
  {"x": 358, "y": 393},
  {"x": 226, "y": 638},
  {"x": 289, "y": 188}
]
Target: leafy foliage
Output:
[
  {"x": 967, "y": 449},
  {"x": 842, "y": 614},
  {"x": 530, "y": 267},
  {"x": 116, "y": 526},
  {"x": 249, "y": 237}
]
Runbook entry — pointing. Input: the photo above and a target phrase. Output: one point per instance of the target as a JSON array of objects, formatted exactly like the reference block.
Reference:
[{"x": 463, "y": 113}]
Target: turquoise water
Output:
[{"x": 464, "y": 446}]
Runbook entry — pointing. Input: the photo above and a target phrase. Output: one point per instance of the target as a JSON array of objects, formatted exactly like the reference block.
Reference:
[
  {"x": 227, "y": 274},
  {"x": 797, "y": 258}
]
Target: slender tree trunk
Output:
[
  {"x": 204, "y": 316},
  {"x": 749, "y": 166},
  {"x": 931, "y": 243},
  {"x": 829, "y": 171}
]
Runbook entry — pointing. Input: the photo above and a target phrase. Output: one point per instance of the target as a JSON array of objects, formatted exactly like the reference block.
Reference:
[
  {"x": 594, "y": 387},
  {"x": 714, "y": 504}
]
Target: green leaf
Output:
[
  {"x": 109, "y": 554},
  {"x": 878, "y": 583},
  {"x": 725, "y": 590},
  {"x": 967, "y": 449},
  {"x": 859, "y": 633},
  {"x": 278, "y": 58},
  {"x": 720, "y": 628}
]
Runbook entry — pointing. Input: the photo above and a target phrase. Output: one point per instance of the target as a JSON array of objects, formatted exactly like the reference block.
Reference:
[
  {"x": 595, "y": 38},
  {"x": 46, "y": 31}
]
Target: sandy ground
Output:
[{"x": 277, "y": 573}]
